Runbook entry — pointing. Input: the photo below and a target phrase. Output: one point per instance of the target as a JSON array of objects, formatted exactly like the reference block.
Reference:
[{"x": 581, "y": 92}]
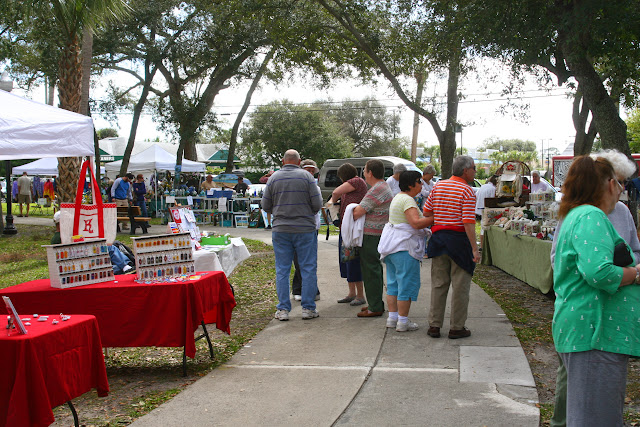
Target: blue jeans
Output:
[
  {"x": 143, "y": 207},
  {"x": 306, "y": 246},
  {"x": 118, "y": 259}
]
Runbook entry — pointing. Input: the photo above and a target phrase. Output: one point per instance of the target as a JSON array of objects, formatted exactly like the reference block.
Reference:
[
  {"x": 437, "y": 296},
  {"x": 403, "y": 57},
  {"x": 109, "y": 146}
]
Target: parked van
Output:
[{"x": 328, "y": 179}]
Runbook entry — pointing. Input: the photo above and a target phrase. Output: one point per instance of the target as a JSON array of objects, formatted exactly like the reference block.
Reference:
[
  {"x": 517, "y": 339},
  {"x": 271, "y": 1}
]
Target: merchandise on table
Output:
[
  {"x": 163, "y": 257},
  {"x": 79, "y": 263},
  {"x": 515, "y": 218}
]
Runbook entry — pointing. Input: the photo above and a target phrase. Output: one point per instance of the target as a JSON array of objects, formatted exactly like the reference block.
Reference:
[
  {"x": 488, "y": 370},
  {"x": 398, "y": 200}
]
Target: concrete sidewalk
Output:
[{"x": 342, "y": 370}]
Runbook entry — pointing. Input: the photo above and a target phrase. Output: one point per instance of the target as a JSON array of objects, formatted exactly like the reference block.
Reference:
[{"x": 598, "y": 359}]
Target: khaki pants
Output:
[{"x": 444, "y": 273}]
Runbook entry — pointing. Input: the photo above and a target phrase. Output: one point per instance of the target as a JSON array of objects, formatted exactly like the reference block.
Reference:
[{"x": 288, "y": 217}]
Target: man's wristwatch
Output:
[{"x": 637, "y": 281}]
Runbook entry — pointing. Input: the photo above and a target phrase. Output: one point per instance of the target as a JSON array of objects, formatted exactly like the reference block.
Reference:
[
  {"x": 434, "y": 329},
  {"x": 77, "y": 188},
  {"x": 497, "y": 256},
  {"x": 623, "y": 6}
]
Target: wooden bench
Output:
[{"x": 132, "y": 214}]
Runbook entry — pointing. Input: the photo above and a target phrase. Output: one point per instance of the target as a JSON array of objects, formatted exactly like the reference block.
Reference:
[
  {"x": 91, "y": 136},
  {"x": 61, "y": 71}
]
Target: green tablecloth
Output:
[{"x": 523, "y": 257}]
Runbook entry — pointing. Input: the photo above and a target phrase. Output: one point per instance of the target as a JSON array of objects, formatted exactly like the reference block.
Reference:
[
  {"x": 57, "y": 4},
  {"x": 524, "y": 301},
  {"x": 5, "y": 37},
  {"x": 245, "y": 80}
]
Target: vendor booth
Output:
[{"x": 148, "y": 163}]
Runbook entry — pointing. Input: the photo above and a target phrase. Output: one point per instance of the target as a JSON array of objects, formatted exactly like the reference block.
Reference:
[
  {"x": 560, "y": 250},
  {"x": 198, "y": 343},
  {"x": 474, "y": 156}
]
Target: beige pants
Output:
[
  {"x": 444, "y": 273},
  {"x": 125, "y": 203}
]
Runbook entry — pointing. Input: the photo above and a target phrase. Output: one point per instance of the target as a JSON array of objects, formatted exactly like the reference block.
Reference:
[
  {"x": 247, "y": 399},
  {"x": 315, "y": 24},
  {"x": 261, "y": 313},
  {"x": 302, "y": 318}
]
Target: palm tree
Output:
[{"x": 71, "y": 18}]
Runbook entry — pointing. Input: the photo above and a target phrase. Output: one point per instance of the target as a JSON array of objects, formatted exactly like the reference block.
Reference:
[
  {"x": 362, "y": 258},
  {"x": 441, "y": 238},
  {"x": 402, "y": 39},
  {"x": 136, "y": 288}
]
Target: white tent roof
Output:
[
  {"x": 116, "y": 146},
  {"x": 29, "y": 129},
  {"x": 154, "y": 158},
  {"x": 46, "y": 166}
]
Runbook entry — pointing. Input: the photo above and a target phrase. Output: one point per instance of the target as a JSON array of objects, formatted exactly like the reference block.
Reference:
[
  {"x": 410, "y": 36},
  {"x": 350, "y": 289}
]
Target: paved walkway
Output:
[{"x": 342, "y": 370}]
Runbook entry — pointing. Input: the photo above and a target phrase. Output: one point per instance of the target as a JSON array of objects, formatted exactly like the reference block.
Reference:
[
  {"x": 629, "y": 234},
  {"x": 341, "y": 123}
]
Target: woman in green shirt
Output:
[{"x": 596, "y": 313}]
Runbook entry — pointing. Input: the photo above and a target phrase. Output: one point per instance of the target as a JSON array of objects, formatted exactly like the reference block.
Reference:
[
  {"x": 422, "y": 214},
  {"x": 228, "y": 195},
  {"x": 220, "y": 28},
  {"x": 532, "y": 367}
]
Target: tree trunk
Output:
[
  {"x": 69, "y": 93},
  {"x": 87, "y": 54},
  {"x": 247, "y": 101},
  {"x": 612, "y": 129},
  {"x": 583, "y": 142},
  {"x": 448, "y": 140},
  {"x": 149, "y": 73},
  {"x": 416, "y": 117}
]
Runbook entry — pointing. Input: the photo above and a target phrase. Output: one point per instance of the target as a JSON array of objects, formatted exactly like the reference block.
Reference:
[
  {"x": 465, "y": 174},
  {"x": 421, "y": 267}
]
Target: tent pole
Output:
[{"x": 9, "y": 228}]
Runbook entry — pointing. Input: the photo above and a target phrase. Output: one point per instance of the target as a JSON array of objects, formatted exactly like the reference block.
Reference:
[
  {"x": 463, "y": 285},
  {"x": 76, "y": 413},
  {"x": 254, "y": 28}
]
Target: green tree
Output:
[
  {"x": 62, "y": 23},
  {"x": 507, "y": 145},
  {"x": 107, "y": 133},
  {"x": 498, "y": 158},
  {"x": 633, "y": 130},
  {"x": 274, "y": 128},
  {"x": 595, "y": 42},
  {"x": 407, "y": 39},
  {"x": 371, "y": 128}
]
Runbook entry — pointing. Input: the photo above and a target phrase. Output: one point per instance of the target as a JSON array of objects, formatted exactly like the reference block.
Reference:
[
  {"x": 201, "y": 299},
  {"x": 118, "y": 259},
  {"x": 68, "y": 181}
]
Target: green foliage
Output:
[
  {"x": 507, "y": 145},
  {"x": 107, "y": 133},
  {"x": 274, "y": 128},
  {"x": 633, "y": 131},
  {"x": 370, "y": 126}
]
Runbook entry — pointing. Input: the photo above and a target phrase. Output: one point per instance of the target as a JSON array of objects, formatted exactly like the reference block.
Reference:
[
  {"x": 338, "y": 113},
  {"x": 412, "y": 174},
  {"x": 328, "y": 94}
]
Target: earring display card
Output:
[
  {"x": 162, "y": 257},
  {"x": 14, "y": 318},
  {"x": 79, "y": 263}
]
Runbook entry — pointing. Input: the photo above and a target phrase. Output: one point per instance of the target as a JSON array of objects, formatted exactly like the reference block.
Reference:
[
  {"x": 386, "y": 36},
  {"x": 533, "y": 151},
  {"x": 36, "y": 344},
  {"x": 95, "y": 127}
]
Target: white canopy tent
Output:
[
  {"x": 47, "y": 167},
  {"x": 153, "y": 159},
  {"x": 29, "y": 130}
]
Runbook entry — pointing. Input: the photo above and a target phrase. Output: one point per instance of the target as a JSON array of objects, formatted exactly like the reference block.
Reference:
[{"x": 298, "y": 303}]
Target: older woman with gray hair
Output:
[
  {"x": 394, "y": 180},
  {"x": 623, "y": 223}
]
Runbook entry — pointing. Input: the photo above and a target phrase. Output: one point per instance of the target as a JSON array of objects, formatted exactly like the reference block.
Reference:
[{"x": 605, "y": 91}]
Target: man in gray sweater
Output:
[{"x": 293, "y": 199}]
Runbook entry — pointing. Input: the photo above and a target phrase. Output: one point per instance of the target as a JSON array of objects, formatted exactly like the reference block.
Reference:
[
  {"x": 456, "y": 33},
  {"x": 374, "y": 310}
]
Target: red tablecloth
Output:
[
  {"x": 47, "y": 367},
  {"x": 134, "y": 314}
]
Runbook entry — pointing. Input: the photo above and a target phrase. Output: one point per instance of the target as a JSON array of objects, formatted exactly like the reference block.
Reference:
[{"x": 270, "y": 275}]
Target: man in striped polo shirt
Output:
[
  {"x": 452, "y": 247},
  {"x": 293, "y": 198}
]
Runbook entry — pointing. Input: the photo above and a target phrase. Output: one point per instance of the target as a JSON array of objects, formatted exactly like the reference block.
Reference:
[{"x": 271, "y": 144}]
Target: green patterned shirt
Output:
[{"x": 591, "y": 311}]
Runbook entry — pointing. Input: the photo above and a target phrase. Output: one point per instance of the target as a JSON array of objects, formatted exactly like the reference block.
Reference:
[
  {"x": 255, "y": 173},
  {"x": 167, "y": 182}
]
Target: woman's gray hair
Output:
[
  {"x": 429, "y": 169},
  {"x": 461, "y": 163},
  {"x": 622, "y": 165}
]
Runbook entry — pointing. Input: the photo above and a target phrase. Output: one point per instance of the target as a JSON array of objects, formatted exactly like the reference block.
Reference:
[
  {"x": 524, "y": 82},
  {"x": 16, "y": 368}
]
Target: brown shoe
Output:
[
  {"x": 434, "y": 332},
  {"x": 370, "y": 313},
  {"x": 459, "y": 333},
  {"x": 365, "y": 308}
]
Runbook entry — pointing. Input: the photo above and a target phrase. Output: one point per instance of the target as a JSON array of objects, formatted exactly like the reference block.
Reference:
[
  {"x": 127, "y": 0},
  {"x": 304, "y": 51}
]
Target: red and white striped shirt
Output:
[{"x": 453, "y": 204}]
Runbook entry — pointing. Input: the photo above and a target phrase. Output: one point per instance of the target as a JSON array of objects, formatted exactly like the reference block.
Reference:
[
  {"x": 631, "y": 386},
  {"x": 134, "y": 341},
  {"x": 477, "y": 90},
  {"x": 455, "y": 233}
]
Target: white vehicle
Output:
[{"x": 328, "y": 178}]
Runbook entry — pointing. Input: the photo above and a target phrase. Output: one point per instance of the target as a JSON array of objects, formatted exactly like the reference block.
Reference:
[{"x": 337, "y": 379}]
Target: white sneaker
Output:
[
  {"x": 282, "y": 315},
  {"x": 297, "y": 297},
  {"x": 408, "y": 326},
  {"x": 391, "y": 323},
  {"x": 309, "y": 314}
]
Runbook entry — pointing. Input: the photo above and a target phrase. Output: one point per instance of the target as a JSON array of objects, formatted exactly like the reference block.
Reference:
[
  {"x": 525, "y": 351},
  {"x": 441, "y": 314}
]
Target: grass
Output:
[{"x": 143, "y": 378}]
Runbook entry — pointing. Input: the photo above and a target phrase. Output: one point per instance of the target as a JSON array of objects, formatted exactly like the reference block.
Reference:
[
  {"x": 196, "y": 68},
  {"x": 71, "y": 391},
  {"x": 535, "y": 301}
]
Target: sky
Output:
[{"x": 548, "y": 120}]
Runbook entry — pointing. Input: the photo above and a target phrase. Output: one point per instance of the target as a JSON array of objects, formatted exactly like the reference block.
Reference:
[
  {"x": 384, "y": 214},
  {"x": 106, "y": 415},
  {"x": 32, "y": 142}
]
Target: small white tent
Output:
[
  {"x": 47, "y": 167},
  {"x": 29, "y": 129},
  {"x": 153, "y": 159}
]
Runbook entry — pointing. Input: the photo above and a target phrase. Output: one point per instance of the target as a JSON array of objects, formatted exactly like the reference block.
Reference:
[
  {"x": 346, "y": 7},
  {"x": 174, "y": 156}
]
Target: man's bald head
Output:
[{"x": 291, "y": 157}]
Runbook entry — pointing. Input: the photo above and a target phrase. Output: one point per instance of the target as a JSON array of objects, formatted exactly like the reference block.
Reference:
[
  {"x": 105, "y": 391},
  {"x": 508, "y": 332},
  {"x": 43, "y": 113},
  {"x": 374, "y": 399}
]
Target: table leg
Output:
[
  {"x": 206, "y": 335},
  {"x": 74, "y": 413}
]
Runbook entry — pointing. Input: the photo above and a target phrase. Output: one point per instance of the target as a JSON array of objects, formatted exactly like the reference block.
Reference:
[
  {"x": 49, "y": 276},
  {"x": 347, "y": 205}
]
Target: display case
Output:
[
  {"x": 163, "y": 257},
  {"x": 79, "y": 263}
]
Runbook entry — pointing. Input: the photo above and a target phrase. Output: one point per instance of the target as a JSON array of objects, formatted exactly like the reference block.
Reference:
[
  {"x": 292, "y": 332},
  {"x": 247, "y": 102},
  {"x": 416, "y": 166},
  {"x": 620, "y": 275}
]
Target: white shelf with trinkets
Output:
[
  {"x": 79, "y": 263},
  {"x": 163, "y": 256}
]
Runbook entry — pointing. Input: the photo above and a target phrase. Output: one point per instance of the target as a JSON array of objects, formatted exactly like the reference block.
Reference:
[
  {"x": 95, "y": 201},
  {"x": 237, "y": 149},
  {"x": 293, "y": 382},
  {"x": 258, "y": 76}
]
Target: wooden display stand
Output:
[
  {"x": 79, "y": 263},
  {"x": 163, "y": 256}
]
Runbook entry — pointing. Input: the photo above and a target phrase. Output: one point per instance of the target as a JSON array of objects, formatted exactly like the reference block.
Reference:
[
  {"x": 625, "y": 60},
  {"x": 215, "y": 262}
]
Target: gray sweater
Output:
[
  {"x": 622, "y": 221},
  {"x": 294, "y": 199}
]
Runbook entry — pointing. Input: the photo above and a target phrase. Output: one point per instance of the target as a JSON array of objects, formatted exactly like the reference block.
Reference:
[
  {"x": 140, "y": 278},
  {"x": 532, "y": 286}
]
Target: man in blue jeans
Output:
[{"x": 293, "y": 199}]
